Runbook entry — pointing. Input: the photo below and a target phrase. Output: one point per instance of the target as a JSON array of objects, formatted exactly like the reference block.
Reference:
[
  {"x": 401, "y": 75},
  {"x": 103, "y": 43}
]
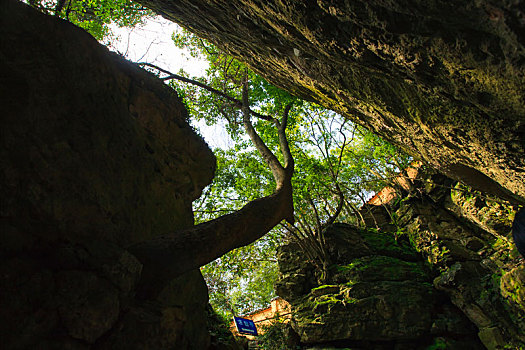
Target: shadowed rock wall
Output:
[
  {"x": 444, "y": 80},
  {"x": 472, "y": 256},
  {"x": 96, "y": 154}
]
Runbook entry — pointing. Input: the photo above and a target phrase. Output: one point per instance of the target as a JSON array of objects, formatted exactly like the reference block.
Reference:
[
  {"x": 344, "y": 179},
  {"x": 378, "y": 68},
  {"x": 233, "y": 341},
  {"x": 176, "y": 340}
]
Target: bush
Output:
[{"x": 278, "y": 336}]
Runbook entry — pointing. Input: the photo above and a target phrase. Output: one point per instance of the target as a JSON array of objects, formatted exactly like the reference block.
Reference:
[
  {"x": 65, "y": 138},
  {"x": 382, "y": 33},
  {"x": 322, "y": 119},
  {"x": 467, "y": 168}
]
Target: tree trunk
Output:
[{"x": 166, "y": 257}]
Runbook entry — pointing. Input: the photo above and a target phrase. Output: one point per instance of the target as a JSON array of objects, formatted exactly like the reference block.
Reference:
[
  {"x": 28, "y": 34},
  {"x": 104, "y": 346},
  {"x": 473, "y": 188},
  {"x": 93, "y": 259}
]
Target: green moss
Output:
[
  {"x": 350, "y": 283},
  {"x": 325, "y": 286},
  {"x": 500, "y": 243},
  {"x": 364, "y": 263},
  {"x": 440, "y": 255},
  {"x": 511, "y": 287},
  {"x": 385, "y": 243},
  {"x": 382, "y": 268},
  {"x": 439, "y": 343},
  {"x": 326, "y": 299}
]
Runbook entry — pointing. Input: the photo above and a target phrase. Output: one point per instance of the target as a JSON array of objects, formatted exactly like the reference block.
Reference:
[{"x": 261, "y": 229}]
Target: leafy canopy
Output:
[{"x": 95, "y": 16}]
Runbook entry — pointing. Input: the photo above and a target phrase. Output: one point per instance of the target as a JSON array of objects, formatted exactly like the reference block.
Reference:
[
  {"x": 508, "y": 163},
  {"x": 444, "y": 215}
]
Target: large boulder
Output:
[
  {"x": 95, "y": 154},
  {"x": 379, "y": 295}
]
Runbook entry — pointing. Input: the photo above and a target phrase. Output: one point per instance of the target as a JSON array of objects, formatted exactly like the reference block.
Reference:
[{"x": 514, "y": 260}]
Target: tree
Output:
[
  {"x": 218, "y": 96},
  {"x": 95, "y": 16},
  {"x": 338, "y": 164}
]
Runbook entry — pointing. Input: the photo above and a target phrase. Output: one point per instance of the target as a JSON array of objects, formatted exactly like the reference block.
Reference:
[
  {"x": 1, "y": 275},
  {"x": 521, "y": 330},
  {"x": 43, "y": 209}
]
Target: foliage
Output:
[
  {"x": 226, "y": 74},
  {"x": 243, "y": 279},
  {"x": 274, "y": 336},
  {"x": 95, "y": 16},
  {"x": 219, "y": 328}
]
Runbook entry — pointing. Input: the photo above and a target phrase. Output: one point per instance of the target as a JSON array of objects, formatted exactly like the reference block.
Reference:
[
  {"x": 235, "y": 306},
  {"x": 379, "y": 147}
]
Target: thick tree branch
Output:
[
  {"x": 278, "y": 171},
  {"x": 167, "y": 257},
  {"x": 334, "y": 216},
  {"x": 283, "y": 141}
]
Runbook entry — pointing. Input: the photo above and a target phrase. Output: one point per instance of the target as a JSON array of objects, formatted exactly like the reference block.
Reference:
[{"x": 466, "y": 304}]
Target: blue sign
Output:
[{"x": 245, "y": 326}]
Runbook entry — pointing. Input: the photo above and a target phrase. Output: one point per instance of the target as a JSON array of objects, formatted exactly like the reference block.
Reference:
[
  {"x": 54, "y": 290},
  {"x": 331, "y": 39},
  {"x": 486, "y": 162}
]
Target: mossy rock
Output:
[
  {"x": 385, "y": 243},
  {"x": 391, "y": 310},
  {"x": 382, "y": 268},
  {"x": 325, "y": 289},
  {"x": 512, "y": 286}
]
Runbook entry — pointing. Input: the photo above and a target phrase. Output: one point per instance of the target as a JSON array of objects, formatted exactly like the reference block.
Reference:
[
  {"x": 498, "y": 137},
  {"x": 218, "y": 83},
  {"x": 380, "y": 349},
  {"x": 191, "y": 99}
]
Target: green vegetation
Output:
[
  {"x": 388, "y": 244},
  {"x": 275, "y": 336},
  {"x": 95, "y": 16},
  {"x": 439, "y": 343},
  {"x": 325, "y": 287},
  {"x": 375, "y": 268},
  {"x": 318, "y": 306}
]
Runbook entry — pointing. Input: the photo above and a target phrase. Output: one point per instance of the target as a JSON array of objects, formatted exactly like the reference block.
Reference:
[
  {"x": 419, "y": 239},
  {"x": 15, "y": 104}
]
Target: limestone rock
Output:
[
  {"x": 88, "y": 305},
  {"x": 372, "y": 300},
  {"x": 151, "y": 326},
  {"x": 95, "y": 154},
  {"x": 455, "y": 233},
  {"x": 296, "y": 274},
  {"x": 401, "y": 312},
  {"x": 512, "y": 286},
  {"x": 89, "y": 135},
  {"x": 381, "y": 268}
]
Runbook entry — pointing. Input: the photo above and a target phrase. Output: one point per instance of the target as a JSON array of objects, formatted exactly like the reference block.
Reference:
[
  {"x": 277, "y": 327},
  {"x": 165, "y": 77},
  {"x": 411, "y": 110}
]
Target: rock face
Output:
[
  {"x": 379, "y": 296},
  {"x": 468, "y": 294},
  {"x": 445, "y": 81},
  {"x": 467, "y": 238},
  {"x": 96, "y": 154}
]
